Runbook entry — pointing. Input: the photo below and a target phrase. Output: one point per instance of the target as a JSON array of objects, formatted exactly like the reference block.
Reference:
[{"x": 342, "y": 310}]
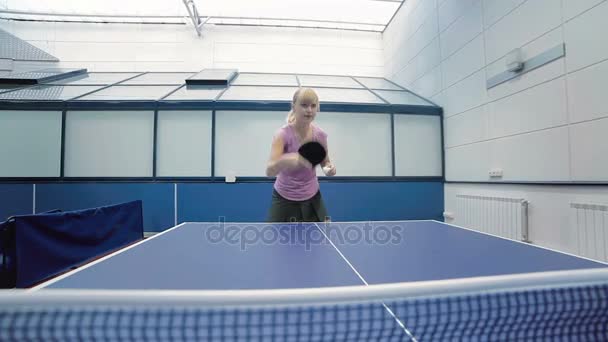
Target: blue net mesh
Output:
[
  {"x": 575, "y": 313},
  {"x": 548, "y": 314}
]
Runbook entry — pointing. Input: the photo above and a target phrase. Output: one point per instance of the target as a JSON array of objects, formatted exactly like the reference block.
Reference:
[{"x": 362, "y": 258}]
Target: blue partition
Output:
[
  {"x": 345, "y": 201},
  {"x": 384, "y": 201},
  {"x": 236, "y": 202},
  {"x": 15, "y": 199},
  {"x": 157, "y": 198},
  {"x": 46, "y": 245}
]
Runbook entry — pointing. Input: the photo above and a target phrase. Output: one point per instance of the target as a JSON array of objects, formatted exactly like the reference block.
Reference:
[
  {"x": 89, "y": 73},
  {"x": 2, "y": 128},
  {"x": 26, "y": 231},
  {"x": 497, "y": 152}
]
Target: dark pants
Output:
[{"x": 284, "y": 210}]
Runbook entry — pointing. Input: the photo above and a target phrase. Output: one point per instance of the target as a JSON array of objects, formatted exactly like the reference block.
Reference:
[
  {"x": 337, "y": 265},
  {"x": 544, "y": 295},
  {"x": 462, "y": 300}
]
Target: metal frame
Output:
[
  {"x": 546, "y": 183},
  {"x": 67, "y": 73},
  {"x": 162, "y": 179},
  {"x": 195, "y": 17},
  {"x": 213, "y": 105},
  {"x": 394, "y": 15},
  {"x": 217, "y": 104}
]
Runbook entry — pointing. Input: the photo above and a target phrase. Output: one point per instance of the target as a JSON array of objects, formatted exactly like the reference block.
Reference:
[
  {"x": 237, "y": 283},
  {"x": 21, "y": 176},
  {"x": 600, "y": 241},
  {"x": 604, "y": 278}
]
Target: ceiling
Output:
[{"x": 362, "y": 15}]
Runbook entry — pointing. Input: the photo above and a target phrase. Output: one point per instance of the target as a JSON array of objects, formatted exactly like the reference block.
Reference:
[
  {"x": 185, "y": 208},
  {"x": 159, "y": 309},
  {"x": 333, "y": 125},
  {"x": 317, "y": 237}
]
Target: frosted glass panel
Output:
[
  {"x": 243, "y": 140},
  {"x": 359, "y": 144},
  {"x": 377, "y": 83},
  {"x": 195, "y": 93},
  {"x": 152, "y": 78},
  {"x": 184, "y": 144},
  {"x": 109, "y": 143},
  {"x": 346, "y": 96},
  {"x": 328, "y": 81},
  {"x": 97, "y": 78},
  {"x": 266, "y": 79},
  {"x": 248, "y": 93},
  {"x": 30, "y": 144},
  {"x": 48, "y": 93},
  {"x": 129, "y": 93},
  {"x": 417, "y": 145},
  {"x": 402, "y": 97}
]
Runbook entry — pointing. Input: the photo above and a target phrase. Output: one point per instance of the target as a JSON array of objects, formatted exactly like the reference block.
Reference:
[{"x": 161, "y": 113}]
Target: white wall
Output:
[
  {"x": 135, "y": 47},
  {"x": 550, "y": 217},
  {"x": 549, "y": 125}
]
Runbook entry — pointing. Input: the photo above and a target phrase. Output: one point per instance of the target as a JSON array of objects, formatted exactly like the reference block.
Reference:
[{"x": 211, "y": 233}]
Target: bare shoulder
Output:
[
  {"x": 319, "y": 131},
  {"x": 279, "y": 133}
]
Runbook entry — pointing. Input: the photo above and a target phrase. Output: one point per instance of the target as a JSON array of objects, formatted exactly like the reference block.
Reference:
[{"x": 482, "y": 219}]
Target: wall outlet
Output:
[{"x": 495, "y": 173}]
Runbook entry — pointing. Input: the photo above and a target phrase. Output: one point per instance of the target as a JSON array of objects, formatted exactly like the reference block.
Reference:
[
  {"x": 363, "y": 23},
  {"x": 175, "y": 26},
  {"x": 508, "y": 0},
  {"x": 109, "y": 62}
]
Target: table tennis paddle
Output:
[{"x": 313, "y": 151}]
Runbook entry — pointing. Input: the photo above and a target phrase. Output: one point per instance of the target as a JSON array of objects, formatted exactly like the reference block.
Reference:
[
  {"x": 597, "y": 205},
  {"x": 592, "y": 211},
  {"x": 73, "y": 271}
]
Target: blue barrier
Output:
[{"x": 36, "y": 247}]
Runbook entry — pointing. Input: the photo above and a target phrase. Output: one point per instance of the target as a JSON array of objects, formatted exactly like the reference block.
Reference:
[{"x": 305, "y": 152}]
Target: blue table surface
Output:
[{"x": 261, "y": 256}]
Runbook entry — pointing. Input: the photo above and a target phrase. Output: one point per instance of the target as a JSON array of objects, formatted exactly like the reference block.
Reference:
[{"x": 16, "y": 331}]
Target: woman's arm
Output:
[{"x": 280, "y": 161}]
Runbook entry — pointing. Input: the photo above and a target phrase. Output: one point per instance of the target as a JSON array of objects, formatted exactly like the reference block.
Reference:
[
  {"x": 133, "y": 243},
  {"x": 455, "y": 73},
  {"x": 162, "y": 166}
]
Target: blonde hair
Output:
[{"x": 302, "y": 94}]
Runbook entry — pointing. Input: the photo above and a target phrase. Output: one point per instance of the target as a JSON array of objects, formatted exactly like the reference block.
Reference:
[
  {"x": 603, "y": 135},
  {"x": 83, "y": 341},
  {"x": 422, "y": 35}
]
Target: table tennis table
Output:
[
  {"x": 222, "y": 256},
  {"x": 347, "y": 259}
]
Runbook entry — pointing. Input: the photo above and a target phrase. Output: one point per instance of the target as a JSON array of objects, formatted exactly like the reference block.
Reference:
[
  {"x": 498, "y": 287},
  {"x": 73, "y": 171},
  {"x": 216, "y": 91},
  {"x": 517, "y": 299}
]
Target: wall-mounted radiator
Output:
[
  {"x": 591, "y": 224},
  {"x": 501, "y": 216}
]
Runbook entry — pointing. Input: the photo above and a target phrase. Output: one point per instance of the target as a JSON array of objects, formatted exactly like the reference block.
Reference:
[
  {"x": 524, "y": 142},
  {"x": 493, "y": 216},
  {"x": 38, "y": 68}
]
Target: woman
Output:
[{"x": 296, "y": 195}]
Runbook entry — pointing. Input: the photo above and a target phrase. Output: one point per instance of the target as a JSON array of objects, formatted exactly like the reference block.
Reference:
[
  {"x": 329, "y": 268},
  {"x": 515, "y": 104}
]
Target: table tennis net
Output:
[{"x": 572, "y": 312}]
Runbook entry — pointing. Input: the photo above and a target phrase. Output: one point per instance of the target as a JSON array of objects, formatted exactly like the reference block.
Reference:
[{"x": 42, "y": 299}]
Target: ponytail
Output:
[{"x": 291, "y": 117}]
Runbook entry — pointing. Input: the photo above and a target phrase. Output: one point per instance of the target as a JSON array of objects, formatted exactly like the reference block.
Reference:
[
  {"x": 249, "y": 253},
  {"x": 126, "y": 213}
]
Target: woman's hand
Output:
[
  {"x": 329, "y": 169},
  {"x": 295, "y": 160}
]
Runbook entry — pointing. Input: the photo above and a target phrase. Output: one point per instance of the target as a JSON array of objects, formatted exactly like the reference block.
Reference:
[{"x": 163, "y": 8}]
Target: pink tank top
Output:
[{"x": 298, "y": 184}]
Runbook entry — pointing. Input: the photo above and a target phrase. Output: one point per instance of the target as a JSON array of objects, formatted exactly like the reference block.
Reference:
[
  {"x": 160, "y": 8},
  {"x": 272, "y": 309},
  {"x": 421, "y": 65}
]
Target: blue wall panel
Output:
[
  {"x": 236, "y": 202},
  {"x": 15, "y": 199},
  {"x": 239, "y": 202},
  {"x": 158, "y": 199},
  {"x": 345, "y": 201},
  {"x": 389, "y": 201}
]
